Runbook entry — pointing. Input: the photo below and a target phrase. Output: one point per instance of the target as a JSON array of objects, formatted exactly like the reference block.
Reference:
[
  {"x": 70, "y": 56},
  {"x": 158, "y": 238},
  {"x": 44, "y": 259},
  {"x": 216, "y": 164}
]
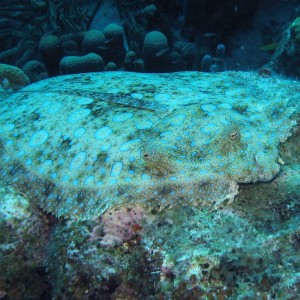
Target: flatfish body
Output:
[{"x": 77, "y": 145}]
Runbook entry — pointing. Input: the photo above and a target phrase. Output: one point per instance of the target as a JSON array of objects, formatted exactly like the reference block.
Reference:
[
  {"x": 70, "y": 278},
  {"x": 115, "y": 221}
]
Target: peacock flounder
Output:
[{"x": 77, "y": 145}]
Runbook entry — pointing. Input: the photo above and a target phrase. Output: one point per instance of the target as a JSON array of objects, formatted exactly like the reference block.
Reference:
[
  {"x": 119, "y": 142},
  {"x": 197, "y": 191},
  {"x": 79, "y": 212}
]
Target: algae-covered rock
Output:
[
  {"x": 77, "y": 145},
  {"x": 23, "y": 238}
]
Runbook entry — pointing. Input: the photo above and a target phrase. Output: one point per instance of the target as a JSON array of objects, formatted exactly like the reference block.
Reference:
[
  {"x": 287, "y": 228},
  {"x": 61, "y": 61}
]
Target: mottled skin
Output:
[{"x": 80, "y": 144}]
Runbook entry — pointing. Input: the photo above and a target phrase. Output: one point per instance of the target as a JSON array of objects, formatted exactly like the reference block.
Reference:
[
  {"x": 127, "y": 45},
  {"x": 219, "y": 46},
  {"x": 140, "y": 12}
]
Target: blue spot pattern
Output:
[{"x": 106, "y": 139}]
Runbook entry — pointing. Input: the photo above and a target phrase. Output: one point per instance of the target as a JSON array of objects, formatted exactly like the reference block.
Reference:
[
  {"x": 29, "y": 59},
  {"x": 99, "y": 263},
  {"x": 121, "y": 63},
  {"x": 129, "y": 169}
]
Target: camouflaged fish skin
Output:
[{"x": 77, "y": 145}]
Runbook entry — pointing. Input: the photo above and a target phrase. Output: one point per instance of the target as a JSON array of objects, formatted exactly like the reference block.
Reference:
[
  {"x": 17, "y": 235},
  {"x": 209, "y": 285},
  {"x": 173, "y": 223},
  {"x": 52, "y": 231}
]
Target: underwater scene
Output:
[{"x": 149, "y": 149}]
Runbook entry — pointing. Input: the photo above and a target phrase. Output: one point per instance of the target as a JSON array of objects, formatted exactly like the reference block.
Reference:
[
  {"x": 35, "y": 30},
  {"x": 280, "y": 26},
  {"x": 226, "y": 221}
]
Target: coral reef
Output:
[
  {"x": 206, "y": 63},
  {"x": 214, "y": 64},
  {"x": 91, "y": 62},
  {"x": 192, "y": 29},
  {"x": 155, "y": 52},
  {"x": 35, "y": 71},
  {"x": 51, "y": 52},
  {"x": 27, "y": 21},
  {"x": 286, "y": 57},
  {"x": 111, "y": 66},
  {"x": 114, "y": 35},
  {"x": 93, "y": 41},
  {"x": 12, "y": 78},
  {"x": 129, "y": 59}
]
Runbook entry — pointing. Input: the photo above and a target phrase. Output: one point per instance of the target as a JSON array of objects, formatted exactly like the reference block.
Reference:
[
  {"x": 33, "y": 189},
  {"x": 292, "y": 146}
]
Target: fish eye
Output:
[{"x": 233, "y": 135}]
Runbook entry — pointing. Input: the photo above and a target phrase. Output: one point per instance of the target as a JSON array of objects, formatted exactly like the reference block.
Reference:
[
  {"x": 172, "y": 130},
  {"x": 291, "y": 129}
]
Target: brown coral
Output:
[{"x": 12, "y": 78}]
